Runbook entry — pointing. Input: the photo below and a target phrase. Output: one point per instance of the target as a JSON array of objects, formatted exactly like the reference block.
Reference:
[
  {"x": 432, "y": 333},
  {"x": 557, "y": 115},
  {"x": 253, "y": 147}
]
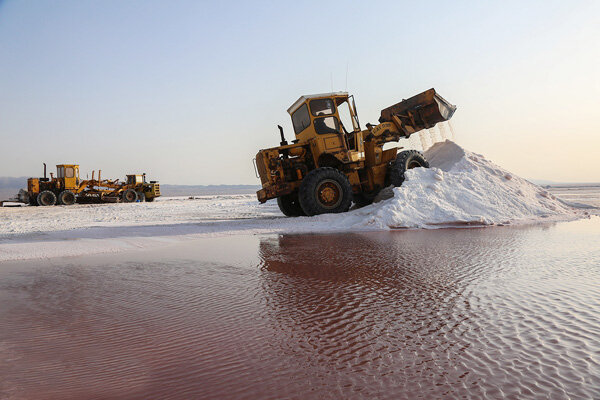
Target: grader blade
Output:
[{"x": 419, "y": 112}]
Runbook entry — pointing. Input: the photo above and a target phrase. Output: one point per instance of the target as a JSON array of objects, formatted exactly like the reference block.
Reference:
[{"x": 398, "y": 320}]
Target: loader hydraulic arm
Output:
[{"x": 383, "y": 133}]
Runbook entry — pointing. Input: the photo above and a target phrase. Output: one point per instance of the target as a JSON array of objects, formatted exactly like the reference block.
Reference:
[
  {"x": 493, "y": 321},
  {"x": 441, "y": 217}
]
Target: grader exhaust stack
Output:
[{"x": 419, "y": 112}]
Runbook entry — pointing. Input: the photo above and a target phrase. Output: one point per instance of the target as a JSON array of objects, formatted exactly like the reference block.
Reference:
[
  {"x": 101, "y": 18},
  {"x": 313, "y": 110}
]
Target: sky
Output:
[{"x": 188, "y": 91}]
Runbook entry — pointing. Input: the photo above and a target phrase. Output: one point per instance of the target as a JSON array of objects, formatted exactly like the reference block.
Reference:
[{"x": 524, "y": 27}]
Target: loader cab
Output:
[
  {"x": 136, "y": 179},
  {"x": 68, "y": 176},
  {"x": 317, "y": 117}
]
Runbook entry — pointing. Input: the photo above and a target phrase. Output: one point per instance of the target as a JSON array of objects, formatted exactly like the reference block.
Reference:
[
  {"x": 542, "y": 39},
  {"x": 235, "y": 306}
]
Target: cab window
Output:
[
  {"x": 301, "y": 119},
  {"x": 322, "y": 107},
  {"x": 60, "y": 172},
  {"x": 69, "y": 172},
  {"x": 325, "y": 125}
]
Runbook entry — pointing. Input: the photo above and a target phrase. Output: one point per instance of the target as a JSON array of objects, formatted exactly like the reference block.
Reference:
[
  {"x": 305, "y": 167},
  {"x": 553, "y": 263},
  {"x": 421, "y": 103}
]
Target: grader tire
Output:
[
  {"x": 406, "y": 160},
  {"x": 46, "y": 198},
  {"x": 66, "y": 197},
  {"x": 130, "y": 196},
  {"x": 325, "y": 190},
  {"x": 290, "y": 205}
]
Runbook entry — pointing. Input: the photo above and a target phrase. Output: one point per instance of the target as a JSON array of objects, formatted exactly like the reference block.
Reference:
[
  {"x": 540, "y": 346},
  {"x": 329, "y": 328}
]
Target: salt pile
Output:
[{"x": 464, "y": 188}]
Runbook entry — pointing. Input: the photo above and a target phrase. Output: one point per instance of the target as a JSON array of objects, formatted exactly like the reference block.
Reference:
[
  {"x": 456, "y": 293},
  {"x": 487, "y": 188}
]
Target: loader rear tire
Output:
[
  {"x": 46, "y": 198},
  {"x": 290, "y": 205},
  {"x": 150, "y": 199},
  {"x": 66, "y": 197},
  {"x": 406, "y": 160},
  {"x": 130, "y": 196},
  {"x": 325, "y": 190},
  {"x": 141, "y": 197}
]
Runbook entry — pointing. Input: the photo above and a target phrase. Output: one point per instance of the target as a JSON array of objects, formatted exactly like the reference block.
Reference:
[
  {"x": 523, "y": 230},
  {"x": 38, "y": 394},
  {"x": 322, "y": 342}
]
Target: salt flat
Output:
[{"x": 460, "y": 189}]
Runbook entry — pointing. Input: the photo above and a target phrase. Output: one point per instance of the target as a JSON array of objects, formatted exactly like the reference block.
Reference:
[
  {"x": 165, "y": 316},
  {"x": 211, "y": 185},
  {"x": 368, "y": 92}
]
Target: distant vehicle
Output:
[
  {"x": 67, "y": 188},
  {"x": 327, "y": 167}
]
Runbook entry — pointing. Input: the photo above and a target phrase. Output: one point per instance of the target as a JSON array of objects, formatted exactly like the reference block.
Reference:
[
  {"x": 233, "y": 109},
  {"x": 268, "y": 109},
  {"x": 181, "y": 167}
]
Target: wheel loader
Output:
[{"x": 328, "y": 165}]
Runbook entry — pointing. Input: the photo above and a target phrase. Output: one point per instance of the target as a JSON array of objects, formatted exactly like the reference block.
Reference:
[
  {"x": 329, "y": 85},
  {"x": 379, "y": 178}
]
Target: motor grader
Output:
[
  {"x": 328, "y": 166},
  {"x": 133, "y": 189},
  {"x": 61, "y": 189},
  {"x": 66, "y": 188}
]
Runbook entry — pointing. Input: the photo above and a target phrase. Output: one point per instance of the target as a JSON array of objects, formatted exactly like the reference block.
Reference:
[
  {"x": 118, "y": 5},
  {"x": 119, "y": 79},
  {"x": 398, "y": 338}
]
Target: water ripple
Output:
[{"x": 440, "y": 314}]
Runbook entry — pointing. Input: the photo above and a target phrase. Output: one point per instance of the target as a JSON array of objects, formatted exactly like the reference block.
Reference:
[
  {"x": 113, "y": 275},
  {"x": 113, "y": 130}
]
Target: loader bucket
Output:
[{"x": 419, "y": 112}]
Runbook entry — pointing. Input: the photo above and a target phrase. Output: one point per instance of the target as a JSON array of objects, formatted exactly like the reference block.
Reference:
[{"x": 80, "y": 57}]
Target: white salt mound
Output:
[{"x": 463, "y": 188}]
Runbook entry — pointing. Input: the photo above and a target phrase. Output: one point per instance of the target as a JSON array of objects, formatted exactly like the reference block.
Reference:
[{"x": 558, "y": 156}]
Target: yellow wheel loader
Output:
[{"x": 329, "y": 165}]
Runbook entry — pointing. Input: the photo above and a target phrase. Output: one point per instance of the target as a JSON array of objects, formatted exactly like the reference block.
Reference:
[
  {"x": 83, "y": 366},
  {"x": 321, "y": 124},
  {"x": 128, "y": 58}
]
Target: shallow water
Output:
[{"x": 496, "y": 312}]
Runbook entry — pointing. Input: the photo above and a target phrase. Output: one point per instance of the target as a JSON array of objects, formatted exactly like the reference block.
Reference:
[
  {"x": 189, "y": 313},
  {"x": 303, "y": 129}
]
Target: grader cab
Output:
[
  {"x": 329, "y": 165},
  {"x": 61, "y": 189}
]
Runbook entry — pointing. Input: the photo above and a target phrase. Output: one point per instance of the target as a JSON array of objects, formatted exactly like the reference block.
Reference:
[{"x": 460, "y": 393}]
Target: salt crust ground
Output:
[{"x": 460, "y": 189}]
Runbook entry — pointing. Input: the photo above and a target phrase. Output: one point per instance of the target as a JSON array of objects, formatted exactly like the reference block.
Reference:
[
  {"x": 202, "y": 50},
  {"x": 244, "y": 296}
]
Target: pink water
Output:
[{"x": 496, "y": 312}]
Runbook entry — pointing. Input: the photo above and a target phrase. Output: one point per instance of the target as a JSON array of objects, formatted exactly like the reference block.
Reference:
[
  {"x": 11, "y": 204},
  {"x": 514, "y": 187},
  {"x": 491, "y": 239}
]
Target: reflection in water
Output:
[
  {"x": 406, "y": 315},
  {"x": 502, "y": 312},
  {"x": 369, "y": 309}
]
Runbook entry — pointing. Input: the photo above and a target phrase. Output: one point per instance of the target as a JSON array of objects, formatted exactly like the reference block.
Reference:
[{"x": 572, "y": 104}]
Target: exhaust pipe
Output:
[
  {"x": 283, "y": 141},
  {"x": 44, "y": 170},
  {"x": 285, "y": 153}
]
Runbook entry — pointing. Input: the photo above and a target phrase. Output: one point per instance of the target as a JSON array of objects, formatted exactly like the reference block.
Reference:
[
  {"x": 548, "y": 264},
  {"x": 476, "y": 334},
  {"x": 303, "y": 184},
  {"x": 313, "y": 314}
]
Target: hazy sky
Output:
[{"x": 188, "y": 91}]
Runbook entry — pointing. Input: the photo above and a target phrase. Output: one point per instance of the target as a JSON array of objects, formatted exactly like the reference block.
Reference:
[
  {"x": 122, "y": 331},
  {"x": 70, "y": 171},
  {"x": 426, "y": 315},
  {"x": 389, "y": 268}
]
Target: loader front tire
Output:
[
  {"x": 405, "y": 160},
  {"x": 325, "y": 190},
  {"x": 46, "y": 198},
  {"x": 130, "y": 196},
  {"x": 290, "y": 205},
  {"x": 66, "y": 197}
]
